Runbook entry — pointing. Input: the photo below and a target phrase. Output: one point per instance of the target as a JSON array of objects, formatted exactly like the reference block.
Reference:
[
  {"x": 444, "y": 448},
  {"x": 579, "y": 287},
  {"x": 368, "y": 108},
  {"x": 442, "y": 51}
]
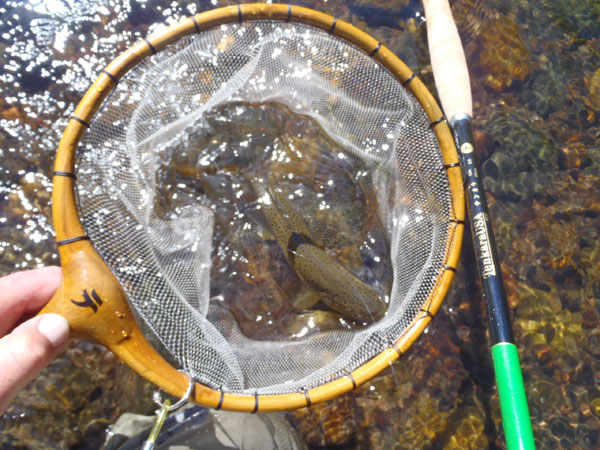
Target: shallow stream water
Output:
[{"x": 535, "y": 72}]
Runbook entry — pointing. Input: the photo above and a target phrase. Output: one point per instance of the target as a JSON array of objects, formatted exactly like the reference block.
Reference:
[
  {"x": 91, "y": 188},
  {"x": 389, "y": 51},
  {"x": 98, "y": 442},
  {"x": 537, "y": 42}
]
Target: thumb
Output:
[{"x": 27, "y": 350}]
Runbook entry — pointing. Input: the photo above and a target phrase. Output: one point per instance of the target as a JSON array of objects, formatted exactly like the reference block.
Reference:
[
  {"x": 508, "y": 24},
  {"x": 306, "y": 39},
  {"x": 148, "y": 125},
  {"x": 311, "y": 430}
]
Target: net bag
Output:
[{"x": 277, "y": 197}]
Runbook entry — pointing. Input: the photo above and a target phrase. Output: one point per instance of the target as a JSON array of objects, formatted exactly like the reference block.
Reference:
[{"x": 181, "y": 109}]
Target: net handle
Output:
[{"x": 91, "y": 298}]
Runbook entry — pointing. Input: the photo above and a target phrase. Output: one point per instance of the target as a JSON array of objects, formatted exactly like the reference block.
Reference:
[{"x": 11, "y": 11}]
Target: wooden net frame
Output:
[{"x": 90, "y": 296}]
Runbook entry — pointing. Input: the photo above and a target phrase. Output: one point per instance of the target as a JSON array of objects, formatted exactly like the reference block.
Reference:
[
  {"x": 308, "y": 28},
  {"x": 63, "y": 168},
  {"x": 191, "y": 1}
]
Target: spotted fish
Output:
[{"x": 341, "y": 290}]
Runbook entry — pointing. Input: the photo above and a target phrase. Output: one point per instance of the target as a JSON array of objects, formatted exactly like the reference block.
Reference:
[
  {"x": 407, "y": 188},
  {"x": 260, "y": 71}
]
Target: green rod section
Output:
[{"x": 513, "y": 402}]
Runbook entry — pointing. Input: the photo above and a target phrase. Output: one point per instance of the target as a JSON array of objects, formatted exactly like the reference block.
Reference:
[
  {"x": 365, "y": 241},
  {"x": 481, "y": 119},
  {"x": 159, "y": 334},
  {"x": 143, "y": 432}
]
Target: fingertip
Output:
[
  {"x": 50, "y": 276},
  {"x": 55, "y": 329},
  {"x": 24, "y": 293},
  {"x": 52, "y": 270}
]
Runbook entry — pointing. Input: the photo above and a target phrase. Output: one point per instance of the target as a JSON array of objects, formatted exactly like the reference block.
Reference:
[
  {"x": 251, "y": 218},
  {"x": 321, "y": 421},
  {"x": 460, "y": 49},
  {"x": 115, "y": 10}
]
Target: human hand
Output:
[{"x": 29, "y": 347}]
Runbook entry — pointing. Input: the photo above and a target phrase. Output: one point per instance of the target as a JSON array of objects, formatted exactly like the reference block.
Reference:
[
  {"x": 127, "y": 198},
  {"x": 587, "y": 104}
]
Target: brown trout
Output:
[{"x": 341, "y": 290}]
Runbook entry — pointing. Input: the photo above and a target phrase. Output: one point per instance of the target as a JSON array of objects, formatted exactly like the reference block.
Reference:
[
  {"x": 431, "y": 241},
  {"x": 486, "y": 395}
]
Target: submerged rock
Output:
[
  {"x": 503, "y": 57},
  {"x": 573, "y": 155},
  {"x": 594, "y": 89}
]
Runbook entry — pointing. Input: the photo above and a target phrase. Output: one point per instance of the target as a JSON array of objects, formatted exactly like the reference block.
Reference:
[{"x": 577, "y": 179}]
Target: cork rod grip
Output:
[{"x": 448, "y": 60}]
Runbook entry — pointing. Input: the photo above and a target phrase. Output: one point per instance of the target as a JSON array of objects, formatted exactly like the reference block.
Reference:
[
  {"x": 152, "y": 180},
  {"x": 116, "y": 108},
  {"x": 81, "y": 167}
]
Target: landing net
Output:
[{"x": 186, "y": 166}]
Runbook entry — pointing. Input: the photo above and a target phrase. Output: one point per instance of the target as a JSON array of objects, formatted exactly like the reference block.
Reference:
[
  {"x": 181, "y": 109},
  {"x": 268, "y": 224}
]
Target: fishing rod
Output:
[{"x": 452, "y": 81}]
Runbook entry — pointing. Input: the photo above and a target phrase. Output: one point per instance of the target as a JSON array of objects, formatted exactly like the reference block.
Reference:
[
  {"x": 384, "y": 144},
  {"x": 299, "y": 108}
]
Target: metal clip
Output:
[
  {"x": 183, "y": 400},
  {"x": 165, "y": 409}
]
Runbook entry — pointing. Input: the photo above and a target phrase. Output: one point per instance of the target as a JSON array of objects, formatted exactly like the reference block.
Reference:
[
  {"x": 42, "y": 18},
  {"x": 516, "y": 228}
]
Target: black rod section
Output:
[{"x": 483, "y": 237}]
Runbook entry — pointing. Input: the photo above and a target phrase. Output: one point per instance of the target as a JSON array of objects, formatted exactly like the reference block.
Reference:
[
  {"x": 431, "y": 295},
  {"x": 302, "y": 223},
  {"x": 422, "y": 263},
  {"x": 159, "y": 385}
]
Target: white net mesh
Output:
[{"x": 227, "y": 176}]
